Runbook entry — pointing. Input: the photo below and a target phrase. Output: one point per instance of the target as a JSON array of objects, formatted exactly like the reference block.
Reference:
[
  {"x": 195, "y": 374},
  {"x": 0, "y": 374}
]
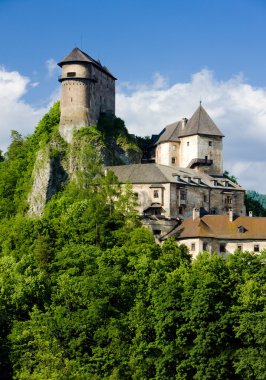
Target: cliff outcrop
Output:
[{"x": 58, "y": 162}]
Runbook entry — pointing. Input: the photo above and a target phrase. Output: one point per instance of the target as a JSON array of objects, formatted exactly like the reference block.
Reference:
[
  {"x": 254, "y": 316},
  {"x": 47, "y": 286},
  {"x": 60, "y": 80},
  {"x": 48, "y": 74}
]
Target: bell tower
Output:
[{"x": 87, "y": 91}]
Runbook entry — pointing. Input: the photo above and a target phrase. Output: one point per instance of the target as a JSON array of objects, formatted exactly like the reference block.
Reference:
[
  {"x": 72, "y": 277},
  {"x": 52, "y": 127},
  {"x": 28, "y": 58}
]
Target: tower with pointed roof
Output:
[
  {"x": 87, "y": 91},
  {"x": 195, "y": 143}
]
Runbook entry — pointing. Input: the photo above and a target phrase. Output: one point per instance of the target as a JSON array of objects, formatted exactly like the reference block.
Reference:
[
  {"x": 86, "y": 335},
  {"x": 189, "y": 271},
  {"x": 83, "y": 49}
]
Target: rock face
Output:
[
  {"x": 48, "y": 176},
  {"x": 59, "y": 162}
]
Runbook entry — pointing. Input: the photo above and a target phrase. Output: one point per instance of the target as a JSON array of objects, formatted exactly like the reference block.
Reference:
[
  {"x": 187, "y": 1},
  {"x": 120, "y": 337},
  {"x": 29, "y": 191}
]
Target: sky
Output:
[{"x": 167, "y": 55}]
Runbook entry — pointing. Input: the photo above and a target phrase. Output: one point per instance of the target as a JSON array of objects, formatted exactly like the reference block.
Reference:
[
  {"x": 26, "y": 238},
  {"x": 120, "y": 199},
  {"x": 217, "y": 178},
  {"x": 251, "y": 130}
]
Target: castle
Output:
[
  {"x": 87, "y": 91},
  {"x": 183, "y": 167},
  {"x": 179, "y": 183}
]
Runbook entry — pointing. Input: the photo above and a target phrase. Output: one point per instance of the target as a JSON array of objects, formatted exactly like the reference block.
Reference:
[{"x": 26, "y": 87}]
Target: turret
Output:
[
  {"x": 201, "y": 146},
  {"x": 87, "y": 91}
]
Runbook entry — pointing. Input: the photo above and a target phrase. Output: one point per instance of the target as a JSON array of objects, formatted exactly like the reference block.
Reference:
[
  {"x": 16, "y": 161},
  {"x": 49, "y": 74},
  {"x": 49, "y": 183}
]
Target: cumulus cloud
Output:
[
  {"x": 15, "y": 114},
  {"x": 237, "y": 108},
  {"x": 51, "y": 66}
]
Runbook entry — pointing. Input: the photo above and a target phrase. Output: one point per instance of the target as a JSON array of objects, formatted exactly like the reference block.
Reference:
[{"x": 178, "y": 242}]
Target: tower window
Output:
[
  {"x": 174, "y": 147},
  {"x": 210, "y": 143},
  {"x": 173, "y": 160},
  {"x": 71, "y": 74}
]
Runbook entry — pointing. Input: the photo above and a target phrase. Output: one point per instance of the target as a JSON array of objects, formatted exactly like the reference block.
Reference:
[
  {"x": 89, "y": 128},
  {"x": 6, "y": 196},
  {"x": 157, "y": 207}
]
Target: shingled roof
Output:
[
  {"x": 170, "y": 133},
  {"x": 220, "y": 227},
  {"x": 77, "y": 55},
  {"x": 200, "y": 124},
  {"x": 161, "y": 174}
]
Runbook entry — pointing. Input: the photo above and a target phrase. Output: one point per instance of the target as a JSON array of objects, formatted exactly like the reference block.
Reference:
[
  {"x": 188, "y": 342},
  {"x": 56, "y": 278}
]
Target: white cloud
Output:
[
  {"x": 237, "y": 108},
  {"x": 51, "y": 66},
  {"x": 15, "y": 114}
]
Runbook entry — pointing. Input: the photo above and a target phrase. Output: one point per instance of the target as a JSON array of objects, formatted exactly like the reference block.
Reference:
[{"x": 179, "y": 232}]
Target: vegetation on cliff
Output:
[{"x": 85, "y": 293}]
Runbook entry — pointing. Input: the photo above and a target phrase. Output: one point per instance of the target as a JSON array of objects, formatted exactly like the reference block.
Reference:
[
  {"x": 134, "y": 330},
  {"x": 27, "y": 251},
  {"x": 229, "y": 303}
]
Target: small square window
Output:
[
  {"x": 210, "y": 143},
  {"x": 240, "y": 247},
  {"x": 193, "y": 246},
  {"x": 173, "y": 160},
  {"x": 155, "y": 194},
  {"x": 205, "y": 246},
  {"x": 256, "y": 248},
  {"x": 187, "y": 143}
]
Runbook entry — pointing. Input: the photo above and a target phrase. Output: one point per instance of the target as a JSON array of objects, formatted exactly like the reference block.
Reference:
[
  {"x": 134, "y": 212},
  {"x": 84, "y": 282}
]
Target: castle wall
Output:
[
  {"x": 167, "y": 153},
  {"x": 196, "y": 245},
  {"x": 188, "y": 150},
  {"x": 211, "y": 147}
]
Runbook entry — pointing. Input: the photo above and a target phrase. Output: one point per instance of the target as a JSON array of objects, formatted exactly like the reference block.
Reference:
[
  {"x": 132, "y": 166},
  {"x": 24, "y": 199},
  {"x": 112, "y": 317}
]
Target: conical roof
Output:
[
  {"x": 77, "y": 55},
  {"x": 200, "y": 124}
]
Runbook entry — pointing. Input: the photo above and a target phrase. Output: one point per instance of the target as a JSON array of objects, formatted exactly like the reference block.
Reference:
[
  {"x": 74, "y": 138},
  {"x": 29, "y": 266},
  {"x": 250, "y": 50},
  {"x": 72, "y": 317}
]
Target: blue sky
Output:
[{"x": 167, "y": 55}]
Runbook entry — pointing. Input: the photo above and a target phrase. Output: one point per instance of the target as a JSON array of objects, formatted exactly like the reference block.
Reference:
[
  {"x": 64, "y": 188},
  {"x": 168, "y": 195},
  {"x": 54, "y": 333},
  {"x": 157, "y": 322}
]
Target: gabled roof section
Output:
[
  {"x": 220, "y": 227},
  {"x": 155, "y": 175},
  {"x": 200, "y": 124},
  {"x": 170, "y": 133},
  {"x": 77, "y": 55}
]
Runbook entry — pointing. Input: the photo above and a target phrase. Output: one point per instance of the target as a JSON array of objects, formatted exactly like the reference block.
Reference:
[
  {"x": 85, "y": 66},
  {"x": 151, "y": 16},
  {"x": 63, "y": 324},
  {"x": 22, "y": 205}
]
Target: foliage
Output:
[
  {"x": 86, "y": 293},
  {"x": 256, "y": 203}
]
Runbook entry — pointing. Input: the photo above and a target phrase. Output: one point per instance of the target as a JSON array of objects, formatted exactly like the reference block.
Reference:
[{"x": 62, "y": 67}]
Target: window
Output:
[
  {"x": 204, "y": 198},
  {"x": 155, "y": 194},
  {"x": 228, "y": 200},
  {"x": 173, "y": 160},
  {"x": 256, "y": 248},
  {"x": 174, "y": 147},
  {"x": 183, "y": 195},
  {"x": 136, "y": 195},
  {"x": 187, "y": 143},
  {"x": 156, "y": 232},
  {"x": 210, "y": 143},
  {"x": 241, "y": 229},
  {"x": 206, "y": 158},
  {"x": 193, "y": 246},
  {"x": 240, "y": 247},
  {"x": 71, "y": 74},
  {"x": 205, "y": 246},
  {"x": 222, "y": 248}
]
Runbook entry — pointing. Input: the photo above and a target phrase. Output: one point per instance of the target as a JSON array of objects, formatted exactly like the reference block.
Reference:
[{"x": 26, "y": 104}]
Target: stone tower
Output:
[
  {"x": 195, "y": 143},
  {"x": 87, "y": 91}
]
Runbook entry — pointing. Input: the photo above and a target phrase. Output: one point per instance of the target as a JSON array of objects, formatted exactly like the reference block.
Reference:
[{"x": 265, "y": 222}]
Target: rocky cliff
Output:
[{"x": 58, "y": 162}]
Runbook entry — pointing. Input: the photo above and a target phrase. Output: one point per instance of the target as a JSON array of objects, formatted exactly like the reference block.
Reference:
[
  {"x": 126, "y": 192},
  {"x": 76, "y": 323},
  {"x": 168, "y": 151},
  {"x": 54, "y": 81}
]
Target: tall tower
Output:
[
  {"x": 201, "y": 146},
  {"x": 87, "y": 91}
]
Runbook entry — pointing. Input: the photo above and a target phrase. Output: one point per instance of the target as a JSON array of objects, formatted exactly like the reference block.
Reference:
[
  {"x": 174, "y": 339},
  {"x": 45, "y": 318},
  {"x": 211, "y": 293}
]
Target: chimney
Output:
[
  {"x": 184, "y": 122},
  {"x": 196, "y": 213},
  {"x": 231, "y": 215},
  {"x": 250, "y": 214}
]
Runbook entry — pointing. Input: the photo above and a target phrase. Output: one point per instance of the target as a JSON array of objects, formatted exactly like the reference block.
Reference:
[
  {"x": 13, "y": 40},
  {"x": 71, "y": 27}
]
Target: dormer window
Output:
[{"x": 241, "y": 229}]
